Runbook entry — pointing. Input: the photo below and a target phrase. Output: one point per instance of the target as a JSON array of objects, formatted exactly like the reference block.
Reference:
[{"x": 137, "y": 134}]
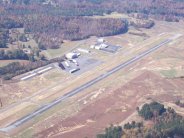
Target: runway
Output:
[{"x": 83, "y": 87}]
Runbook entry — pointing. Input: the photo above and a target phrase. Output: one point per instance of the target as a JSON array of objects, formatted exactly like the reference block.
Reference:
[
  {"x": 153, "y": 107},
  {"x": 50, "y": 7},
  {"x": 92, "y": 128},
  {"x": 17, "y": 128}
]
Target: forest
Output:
[
  {"x": 166, "y": 124},
  {"x": 94, "y": 7},
  {"x": 57, "y": 20},
  {"x": 13, "y": 54},
  {"x": 5, "y": 25},
  {"x": 52, "y": 22},
  {"x": 50, "y": 31}
]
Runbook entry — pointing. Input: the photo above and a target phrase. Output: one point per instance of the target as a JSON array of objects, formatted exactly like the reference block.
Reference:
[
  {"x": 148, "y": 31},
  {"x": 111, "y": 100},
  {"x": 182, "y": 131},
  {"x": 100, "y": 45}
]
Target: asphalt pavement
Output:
[{"x": 82, "y": 87}]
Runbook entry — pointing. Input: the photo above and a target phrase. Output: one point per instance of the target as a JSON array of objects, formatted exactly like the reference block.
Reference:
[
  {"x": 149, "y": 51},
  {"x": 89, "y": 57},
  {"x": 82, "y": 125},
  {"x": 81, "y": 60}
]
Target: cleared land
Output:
[
  {"x": 83, "y": 87},
  {"x": 91, "y": 109}
]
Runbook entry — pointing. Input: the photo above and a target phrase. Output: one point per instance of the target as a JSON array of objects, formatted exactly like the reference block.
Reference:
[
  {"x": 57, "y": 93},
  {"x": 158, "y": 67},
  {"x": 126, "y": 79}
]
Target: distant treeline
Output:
[{"x": 165, "y": 9}]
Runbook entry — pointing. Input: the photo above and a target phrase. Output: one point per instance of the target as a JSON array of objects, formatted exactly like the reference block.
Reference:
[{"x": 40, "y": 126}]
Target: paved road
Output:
[{"x": 82, "y": 87}]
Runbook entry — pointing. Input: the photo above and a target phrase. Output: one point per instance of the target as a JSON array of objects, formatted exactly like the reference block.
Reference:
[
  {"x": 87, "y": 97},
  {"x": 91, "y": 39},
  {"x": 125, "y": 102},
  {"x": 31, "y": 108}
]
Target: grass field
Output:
[
  {"x": 64, "y": 48},
  {"x": 169, "y": 73},
  {"x": 53, "y": 53}
]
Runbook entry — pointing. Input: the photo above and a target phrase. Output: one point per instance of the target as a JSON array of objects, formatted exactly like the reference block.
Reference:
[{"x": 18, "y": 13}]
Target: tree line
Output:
[{"x": 160, "y": 9}]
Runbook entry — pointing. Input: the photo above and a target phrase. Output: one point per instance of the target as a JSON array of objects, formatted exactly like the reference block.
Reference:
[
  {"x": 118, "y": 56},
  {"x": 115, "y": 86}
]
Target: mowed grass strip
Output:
[{"x": 169, "y": 73}]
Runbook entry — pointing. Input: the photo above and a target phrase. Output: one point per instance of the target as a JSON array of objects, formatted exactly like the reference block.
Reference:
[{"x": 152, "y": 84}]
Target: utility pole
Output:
[
  {"x": 1, "y": 103},
  {"x": 1, "y": 84}
]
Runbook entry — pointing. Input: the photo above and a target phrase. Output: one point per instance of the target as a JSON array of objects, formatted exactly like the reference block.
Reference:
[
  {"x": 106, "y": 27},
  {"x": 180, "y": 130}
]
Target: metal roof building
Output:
[{"x": 72, "y": 55}]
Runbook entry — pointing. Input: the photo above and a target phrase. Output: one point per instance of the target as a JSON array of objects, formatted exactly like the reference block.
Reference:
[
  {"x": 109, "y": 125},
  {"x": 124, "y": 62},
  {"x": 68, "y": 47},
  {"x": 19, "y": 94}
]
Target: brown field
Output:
[
  {"x": 112, "y": 108},
  {"x": 112, "y": 100},
  {"x": 6, "y": 62}
]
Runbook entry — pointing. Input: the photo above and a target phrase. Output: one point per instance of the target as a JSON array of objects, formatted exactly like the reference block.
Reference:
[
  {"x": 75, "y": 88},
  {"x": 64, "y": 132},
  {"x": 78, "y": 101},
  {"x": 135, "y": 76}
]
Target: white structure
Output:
[
  {"x": 66, "y": 63},
  {"x": 83, "y": 50},
  {"x": 100, "y": 46},
  {"x": 72, "y": 55},
  {"x": 100, "y": 40},
  {"x": 103, "y": 45},
  {"x": 92, "y": 46},
  {"x": 29, "y": 76},
  {"x": 44, "y": 70},
  {"x": 74, "y": 61},
  {"x": 27, "y": 50}
]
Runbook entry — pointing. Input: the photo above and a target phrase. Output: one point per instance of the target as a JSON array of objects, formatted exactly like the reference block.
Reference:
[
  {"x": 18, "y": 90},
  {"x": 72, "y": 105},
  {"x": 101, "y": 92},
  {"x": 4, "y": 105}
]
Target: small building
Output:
[
  {"x": 83, "y": 50},
  {"x": 100, "y": 40},
  {"x": 103, "y": 45},
  {"x": 92, "y": 46},
  {"x": 72, "y": 55},
  {"x": 66, "y": 63},
  {"x": 98, "y": 47},
  {"x": 27, "y": 50},
  {"x": 75, "y": 62}
]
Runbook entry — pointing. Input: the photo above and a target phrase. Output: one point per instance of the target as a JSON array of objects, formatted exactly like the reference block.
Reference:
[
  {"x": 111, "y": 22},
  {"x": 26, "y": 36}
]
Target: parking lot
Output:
[
  {"x": 111, "y": 49},
  {"x": 80, "y": 65}
]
